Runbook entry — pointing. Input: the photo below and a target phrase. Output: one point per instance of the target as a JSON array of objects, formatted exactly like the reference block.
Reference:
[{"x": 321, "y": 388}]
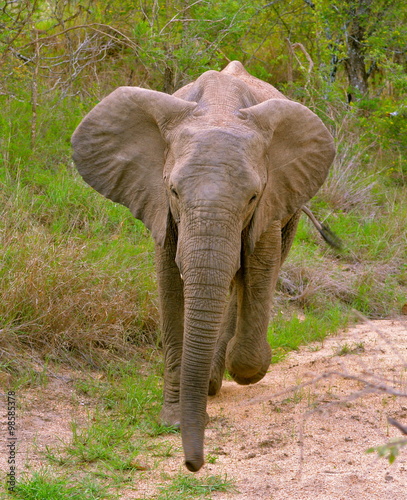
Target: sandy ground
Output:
[{"x": 301, "y": 433}]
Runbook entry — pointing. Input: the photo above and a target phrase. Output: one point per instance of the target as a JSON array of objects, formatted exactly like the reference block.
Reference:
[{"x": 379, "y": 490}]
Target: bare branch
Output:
[
  {"x": 91, "y": 26},
  {"x": 174, "y": 18},
  {"x": 304, "y": 51},
  {"x": 396, "y": 424}
]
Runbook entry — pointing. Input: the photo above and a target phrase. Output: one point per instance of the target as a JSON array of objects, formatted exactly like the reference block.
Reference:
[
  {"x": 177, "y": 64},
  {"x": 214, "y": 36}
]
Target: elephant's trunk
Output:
[{"x": 208, "y": 264}]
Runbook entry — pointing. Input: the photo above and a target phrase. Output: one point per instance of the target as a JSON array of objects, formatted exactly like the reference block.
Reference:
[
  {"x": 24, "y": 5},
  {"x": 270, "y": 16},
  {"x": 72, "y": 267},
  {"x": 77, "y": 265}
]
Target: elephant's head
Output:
[{"x": 217, "y": 160}]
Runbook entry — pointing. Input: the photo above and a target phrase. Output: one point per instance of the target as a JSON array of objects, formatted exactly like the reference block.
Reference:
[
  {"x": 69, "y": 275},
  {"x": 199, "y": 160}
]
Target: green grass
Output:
[
  {"x": 117, "y": 439},
  {"x": 116, "y": 442},
  {"x": 72, "y": 262},
  {"x": 105, "y": 440},
  {"x": 346, "y": 349},
  {"x": 132, "y": 394},
  {"x": 184, "y": 487},
  {"x": 288, "y": 334},
  {"x": 45, "y": 486},
  {"x": 73, "y": 266},
  {"x": 368, "y": 275}
]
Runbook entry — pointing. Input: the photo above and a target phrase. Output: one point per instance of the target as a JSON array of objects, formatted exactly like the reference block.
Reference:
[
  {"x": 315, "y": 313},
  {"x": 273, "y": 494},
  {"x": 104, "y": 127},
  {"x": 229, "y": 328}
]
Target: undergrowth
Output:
[{"x": 76, "y": 277}]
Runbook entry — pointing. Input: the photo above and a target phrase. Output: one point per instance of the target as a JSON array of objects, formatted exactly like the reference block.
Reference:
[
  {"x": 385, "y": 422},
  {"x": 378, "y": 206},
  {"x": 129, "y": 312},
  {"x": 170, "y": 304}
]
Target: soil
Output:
[{"x": 301, "y": 433}]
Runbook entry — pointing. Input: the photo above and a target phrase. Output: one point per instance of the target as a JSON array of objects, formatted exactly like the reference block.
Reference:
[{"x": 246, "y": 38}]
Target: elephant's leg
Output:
[
  {"x": 171, "y": 299},
  {"x": 248, "y": 353},
  {"x": 228, "y": 329},
  {"x": 287, "y": 234}
]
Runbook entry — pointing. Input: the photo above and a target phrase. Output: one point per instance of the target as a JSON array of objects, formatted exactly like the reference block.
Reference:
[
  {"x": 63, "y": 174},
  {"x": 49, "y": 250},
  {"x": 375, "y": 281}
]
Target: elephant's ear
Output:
[
  {"x": 119, "y": 151},
  {"x": 299, "y": 152}
]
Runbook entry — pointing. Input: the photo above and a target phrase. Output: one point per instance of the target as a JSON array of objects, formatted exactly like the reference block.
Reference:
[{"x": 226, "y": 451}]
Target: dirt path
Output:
[
  {"x": 315, "y": 403},
  {"x": 336, "y": 416},
  {"x": 255, "y": 431}
]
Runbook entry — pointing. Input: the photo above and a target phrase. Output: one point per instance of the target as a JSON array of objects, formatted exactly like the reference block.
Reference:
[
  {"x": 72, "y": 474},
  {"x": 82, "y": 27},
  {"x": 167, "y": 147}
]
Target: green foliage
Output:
[
  {"x": 182, "y": 40},
  {"x": 380, "y": 25},
  {"x": 385, "y": 121},
  {"x": 389, "y": 451},
  {"x": 166, "y": 42}
]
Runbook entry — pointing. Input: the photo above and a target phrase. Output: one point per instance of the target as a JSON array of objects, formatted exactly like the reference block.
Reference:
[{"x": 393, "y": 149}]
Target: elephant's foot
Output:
[
  {"x": 171, "y": 415},
  {"x": 245, "y": 366},
  {"x": 250, "y": 380},
  {"x": 215, "y": 383}
]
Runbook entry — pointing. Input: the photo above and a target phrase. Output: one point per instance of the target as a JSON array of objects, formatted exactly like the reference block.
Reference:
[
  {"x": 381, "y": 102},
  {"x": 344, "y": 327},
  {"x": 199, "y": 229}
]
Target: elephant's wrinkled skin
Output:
[{"x": 218, "y": 172}]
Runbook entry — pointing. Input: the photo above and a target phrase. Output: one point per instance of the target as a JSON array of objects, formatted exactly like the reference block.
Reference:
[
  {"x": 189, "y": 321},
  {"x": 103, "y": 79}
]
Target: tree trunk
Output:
[{"x": 355, "y": 64}]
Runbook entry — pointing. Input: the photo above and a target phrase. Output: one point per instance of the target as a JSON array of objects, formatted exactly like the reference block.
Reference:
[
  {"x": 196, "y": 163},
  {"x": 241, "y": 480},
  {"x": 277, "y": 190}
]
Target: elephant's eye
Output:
[
  {"x": 174, "y": 191},
  {"x": 253, "y": 198}
]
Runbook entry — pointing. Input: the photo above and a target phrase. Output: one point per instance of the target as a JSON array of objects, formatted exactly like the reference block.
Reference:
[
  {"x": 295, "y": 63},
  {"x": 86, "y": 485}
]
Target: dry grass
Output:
[
  {"x": 352, "y": 175},
  {"x": 57, "y": 303},
  {"x": 360, "y": 285},
  {"x": 368, "y": 213}
]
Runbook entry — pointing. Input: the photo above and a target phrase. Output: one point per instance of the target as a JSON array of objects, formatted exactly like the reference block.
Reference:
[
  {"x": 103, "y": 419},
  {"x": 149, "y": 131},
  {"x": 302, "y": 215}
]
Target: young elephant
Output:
[{"x": 218, "y": 172}]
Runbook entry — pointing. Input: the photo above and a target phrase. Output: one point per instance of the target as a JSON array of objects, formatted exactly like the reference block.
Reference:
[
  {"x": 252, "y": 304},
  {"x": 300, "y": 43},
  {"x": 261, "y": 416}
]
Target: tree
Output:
[{"x": 364, "y": 36}]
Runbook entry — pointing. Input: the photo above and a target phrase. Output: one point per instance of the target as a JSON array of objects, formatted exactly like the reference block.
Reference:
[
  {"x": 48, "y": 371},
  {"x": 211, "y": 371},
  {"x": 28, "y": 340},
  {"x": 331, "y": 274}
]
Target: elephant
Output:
[{"x": 218, "y": 172}]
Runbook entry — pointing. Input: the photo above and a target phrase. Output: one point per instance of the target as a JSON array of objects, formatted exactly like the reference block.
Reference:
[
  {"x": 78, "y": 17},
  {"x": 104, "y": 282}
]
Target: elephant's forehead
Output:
[
  {"x": 217, "y": 156},
  {"x": 217, "y": 142}
]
